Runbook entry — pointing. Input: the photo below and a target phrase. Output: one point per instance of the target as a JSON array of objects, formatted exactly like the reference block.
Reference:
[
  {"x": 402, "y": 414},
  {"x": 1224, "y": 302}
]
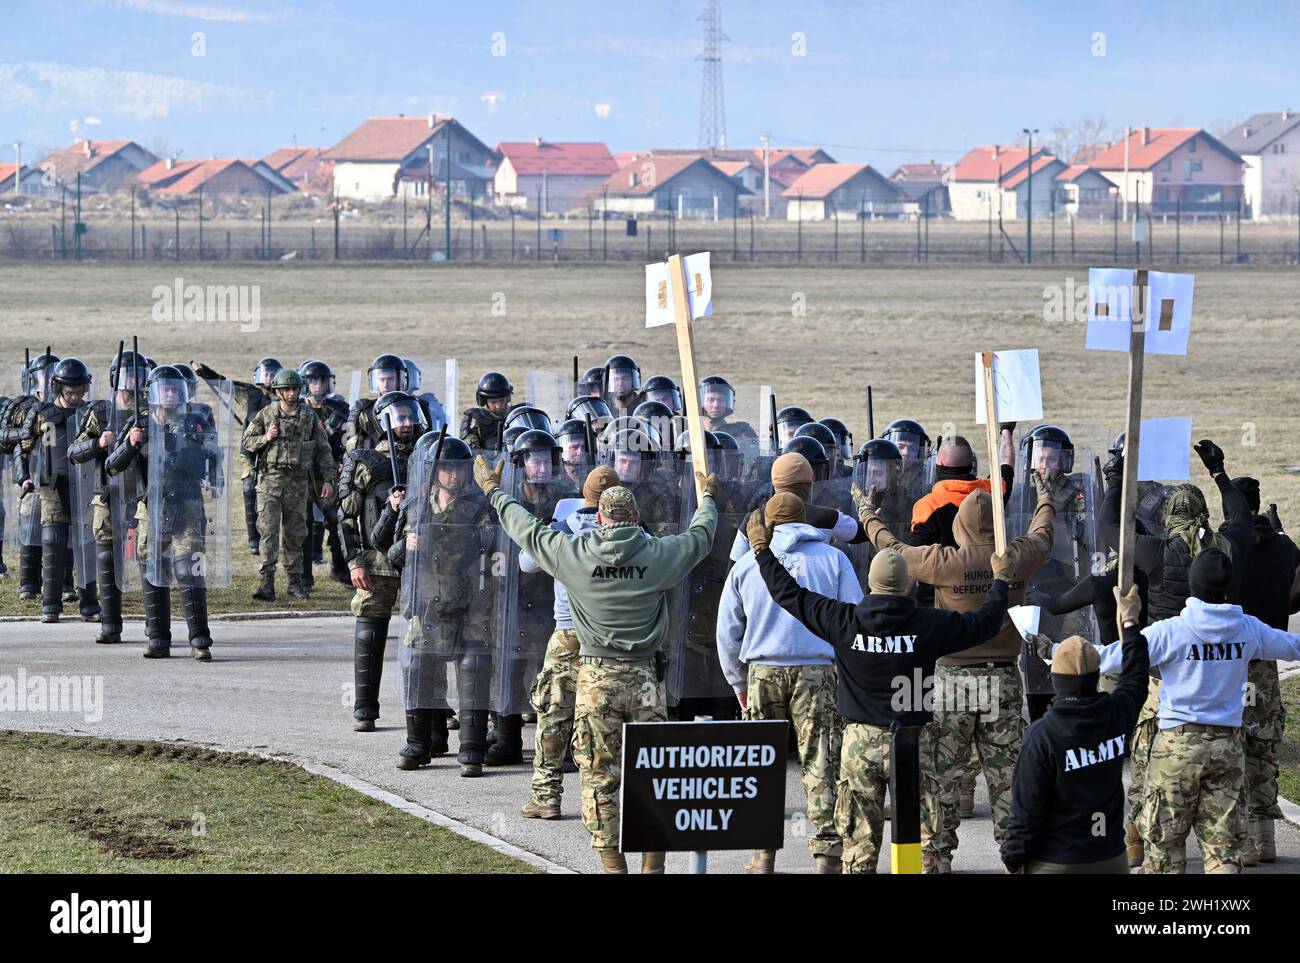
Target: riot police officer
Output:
[
  {"x": 367, "y": 478},
  {"x": 13, "y": 416},
  {"x": 318, "y": 382},
  {"x": 291, "y": 444},
  {"x": 717, "y": 404},
  {"x": 789, "y": 420},
  {"x": 251, "y": 397},
  {"x": 621, "y": 383},
  {"x": 830, "y": 445},
  {"x": 386, "y": 373},
  {"x": 47, "y": 432},
  {"x": 664, "y": 390},
  {"x": 482, "y": 427},
  {"x": 177, "y": 458}
]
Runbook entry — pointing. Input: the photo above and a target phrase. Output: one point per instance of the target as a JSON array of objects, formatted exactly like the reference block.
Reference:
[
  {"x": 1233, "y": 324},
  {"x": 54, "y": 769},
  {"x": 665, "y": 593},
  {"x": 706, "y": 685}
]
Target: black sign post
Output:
[{"x": 701, "y": 786}]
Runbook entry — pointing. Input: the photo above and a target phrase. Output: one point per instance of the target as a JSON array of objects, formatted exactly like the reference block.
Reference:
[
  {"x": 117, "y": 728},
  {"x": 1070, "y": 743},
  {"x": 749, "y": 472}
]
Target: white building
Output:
[{"x": 1270, "y": 146}]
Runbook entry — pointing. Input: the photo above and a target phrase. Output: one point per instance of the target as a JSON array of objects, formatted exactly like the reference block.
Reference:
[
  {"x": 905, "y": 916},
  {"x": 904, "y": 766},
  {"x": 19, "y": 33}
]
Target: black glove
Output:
[
  {"x": 1211, "y": 454},
  {"x": 1273, "y": 519},
  {"x": 1007, "y": 426},
  {"x": 1113, "y": 470}
]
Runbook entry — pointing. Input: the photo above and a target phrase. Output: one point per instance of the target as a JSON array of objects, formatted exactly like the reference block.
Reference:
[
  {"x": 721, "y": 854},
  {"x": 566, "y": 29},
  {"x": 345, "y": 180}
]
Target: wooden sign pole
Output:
[
  {"x": 1132, "y": 432},
  {"x": 995, "y": 463},
  {"x": 680, "y": 285}
]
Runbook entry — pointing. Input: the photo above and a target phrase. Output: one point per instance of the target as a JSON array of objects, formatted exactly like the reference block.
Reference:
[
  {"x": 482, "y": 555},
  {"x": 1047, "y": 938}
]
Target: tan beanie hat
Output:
[
  {"x": 888, "y": 573},
  {"x": 783, "y": 507},
  {"x": 596, "y": 483},
  {"x": 1075, "y": 656},
  {"x": 792, "y": 473}
]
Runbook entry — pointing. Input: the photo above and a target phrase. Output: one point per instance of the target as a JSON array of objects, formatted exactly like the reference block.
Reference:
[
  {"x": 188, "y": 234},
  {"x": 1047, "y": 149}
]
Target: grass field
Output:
[
  {"x": 818, "y": 335},
  {"x": 1288, "y": 782},
  {"x": 81, "y": 805}
]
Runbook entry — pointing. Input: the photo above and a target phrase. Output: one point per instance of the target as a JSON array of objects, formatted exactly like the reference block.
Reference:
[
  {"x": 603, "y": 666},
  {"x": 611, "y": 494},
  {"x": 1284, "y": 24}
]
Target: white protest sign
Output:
[
  {"x": 1015, "y": 382},
  {"x": 1166, "y": 450},
  {"x": 1026, "y": 619},
  {"x": 1110, "y": 310},
  {"x": 659, "y": 292}
]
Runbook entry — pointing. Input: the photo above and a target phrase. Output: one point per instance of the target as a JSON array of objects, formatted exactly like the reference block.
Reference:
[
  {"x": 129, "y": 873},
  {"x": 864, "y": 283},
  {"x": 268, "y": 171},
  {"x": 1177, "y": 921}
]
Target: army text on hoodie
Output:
[{"x": 1202, "y": 654}]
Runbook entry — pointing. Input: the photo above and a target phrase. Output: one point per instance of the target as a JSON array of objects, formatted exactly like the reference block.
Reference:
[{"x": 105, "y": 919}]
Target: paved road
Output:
[{"x": 280, "y": 687}]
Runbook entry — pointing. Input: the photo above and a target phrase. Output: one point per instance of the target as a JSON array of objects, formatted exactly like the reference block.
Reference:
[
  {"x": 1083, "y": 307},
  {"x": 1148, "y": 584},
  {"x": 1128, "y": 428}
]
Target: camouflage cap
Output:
[
  {"x": 617, "y": 504},
  {"x": 1075, "y": 656}
]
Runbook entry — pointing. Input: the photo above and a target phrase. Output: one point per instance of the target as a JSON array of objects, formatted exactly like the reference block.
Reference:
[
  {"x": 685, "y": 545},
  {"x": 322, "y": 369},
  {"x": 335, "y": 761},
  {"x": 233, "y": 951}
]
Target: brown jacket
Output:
[{"x": 962, "y": 576}]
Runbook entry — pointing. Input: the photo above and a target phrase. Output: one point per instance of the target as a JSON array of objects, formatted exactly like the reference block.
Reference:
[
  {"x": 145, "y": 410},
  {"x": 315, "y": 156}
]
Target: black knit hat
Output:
[
  {"x": 1250, "y": 488},
  {"x": 1210, "y": 576}
]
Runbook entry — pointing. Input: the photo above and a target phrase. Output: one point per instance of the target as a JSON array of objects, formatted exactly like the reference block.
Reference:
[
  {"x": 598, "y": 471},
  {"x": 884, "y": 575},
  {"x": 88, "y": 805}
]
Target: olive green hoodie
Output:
[{"x": 617, "y": 578}]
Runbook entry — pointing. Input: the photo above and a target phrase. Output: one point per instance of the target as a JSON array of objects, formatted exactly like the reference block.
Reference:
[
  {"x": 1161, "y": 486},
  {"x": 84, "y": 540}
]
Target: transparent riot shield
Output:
[
  {"x": 83, "y": 485},
  {"x": 897, "y": 486},
  {"x": 451, "y": 584},
  {"x": 836, "y": 494},
  {"x": 8, "y": 505},
  {"x": 188, "y": 539},
  {"x": 29, "y": 503},
  {"x": 527, "y": 605},
  {"x": 1074, "y": 557},
  {"x": 549, "y": 390},
  {"x": 438, "y": 387}
]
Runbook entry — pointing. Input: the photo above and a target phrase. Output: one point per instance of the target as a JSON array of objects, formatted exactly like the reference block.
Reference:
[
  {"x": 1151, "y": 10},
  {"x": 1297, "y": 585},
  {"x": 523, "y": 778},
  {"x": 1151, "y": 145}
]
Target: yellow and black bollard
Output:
[{"x": 905, "y": 792}]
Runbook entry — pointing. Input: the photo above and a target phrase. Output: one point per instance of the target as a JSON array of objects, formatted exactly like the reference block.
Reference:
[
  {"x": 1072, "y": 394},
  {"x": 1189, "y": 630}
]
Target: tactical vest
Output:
[
  {"x": 379, "y": 485},
  {"x": 187, "y": 459},
  {"x": 59, "y": 426},
  {"x": 288, "y": 451}
]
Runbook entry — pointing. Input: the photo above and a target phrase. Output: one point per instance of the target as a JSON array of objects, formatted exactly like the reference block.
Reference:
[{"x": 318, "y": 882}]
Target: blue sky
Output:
[{"x": 883, "y": 82}]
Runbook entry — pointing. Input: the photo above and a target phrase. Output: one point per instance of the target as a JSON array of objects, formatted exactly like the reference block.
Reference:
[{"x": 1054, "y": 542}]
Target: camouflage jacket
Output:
[{"x": 301, "y": 447}]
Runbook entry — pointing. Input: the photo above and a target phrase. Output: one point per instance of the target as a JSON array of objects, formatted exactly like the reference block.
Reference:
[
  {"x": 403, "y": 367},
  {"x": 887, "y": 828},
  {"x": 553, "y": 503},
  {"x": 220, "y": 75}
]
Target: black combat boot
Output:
[
  {"x": 54, "y": 546},
  {"x": 438, "y": 743},
  {"x": 508, "y": 749},
  {"x": 369, "y": 639},
  {"x": 69, "y": 578},
  {"x": 338, "y": 564},
  {"x": 473, "y": 735},
  {"x": 194, "y": 603},
  {"x": 317, "y": 542},
  {"x": 297, "y": 588},
  {"x": 308, "y": 578},
  {"x": 473, "y": 685},
  {"x": 157, "y": 620},
  {"x": 110, "y": 596},
  {"x": 29, "y": 572},
  {"x": 88, "y": 602},
  {"x": 4, "y": 569},
  {"x": 265, "y": 591},
  {"x": 250, "y": 514},
  {"x": 416, "y": 753}
]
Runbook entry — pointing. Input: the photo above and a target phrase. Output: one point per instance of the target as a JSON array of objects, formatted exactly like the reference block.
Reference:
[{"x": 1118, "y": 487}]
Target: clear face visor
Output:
[
  {"x": 718, "y": 401},
  {"x": 169, "y": 392},
  {"x": 319, "y": 387},
  {"x": 38, "y": 381},
  {"x": 1049, "y": 458},
  {"x": 672, "y": 397},
  {"x": 539, "y": 467},
  {"x": 532, "y": 419},
  {"x": 623, "y": 381},
  {"x": 126, "y": 380},
  {"x": 573, "y": 447},
  {"x": 846, "y": 447},
  {"x": 413, "y": 378},
  {"x": 881, "y": 474},
  {"x": 264, "y": 374},
  {"x": 454, "y": 476},
  {"x": 384, "y": 380},
  {"x": 912, "y": 446},
  {"x": 405, "y": 420},
  {"x": 788, "y": 429}
]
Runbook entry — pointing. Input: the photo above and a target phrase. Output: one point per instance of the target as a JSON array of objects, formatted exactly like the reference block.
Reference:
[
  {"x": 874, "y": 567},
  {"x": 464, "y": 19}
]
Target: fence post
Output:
[{"x": 862, "y": 229}]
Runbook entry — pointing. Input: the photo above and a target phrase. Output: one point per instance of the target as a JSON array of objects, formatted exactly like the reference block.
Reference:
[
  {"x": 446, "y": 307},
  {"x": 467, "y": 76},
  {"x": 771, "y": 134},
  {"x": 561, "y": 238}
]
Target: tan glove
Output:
[
  {"x": 1130, "y": 605},
  {"x": 709, "y": 483},
  {"x": 866, "y": 502},
  {"x": 757, "y": 530},
  {"x": 1040, "y": 645},
  {"x": 1043, "y": 486},
  {"x": 488, "y": 479},
  {"x": 1004, "y": 563}
]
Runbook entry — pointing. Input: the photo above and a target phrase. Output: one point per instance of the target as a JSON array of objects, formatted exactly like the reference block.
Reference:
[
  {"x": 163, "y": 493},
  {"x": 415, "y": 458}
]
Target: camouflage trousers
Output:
[
  {"x": 282, "y": 513},
  {"x": 860, "y": 795},
  {"x": 1263, "y": 724},
  {"x": 1139, "y": 754},
  {"x": 973, "y": 706},
  {"x": 1194, "y": 783},
  {"x": 554, "y": 695},
  {"x": 377, "y": 602},
  {"x": 53, "y": 511},
  {"x": 805, "y": 695},
  {"x": 610, "y": 693}
]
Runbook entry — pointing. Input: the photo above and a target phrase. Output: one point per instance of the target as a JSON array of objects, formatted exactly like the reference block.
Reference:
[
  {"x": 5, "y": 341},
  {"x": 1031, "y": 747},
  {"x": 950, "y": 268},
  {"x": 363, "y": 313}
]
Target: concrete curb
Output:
[
  {"x": 217, "y": 617},
  {"x": 428, "y": 815}
]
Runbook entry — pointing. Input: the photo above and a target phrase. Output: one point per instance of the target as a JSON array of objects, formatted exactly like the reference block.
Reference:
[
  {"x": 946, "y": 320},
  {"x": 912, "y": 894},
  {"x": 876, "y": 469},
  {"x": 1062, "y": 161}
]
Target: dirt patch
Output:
[
  {"x": 167, "y": 751},
  {"x": 115, "y": 836},
  {"x": 8, "y": 795},
  {"x": 184, "y": 825}
]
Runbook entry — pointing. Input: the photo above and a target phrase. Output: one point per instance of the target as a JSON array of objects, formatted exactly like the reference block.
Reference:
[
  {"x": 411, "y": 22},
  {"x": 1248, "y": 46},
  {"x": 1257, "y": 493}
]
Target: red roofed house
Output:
[
  {"x": 181, "y": 178},
  {"x": 688, "y": 186},
  {"x": 104, "y": 165},
  {"x": 843, "y": 192},
  {"x": 1082, "y": 191},
  {"x": 925, "y": 188},
  {"x": 994, "y": 181},
  {"x": 561, "y": 175},
  {"x": 1174, "y": 168},
  {"x": 387, "y": 156},
  {"x": 31, "y": 184},
  {"x": 305, "y": 166}
]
